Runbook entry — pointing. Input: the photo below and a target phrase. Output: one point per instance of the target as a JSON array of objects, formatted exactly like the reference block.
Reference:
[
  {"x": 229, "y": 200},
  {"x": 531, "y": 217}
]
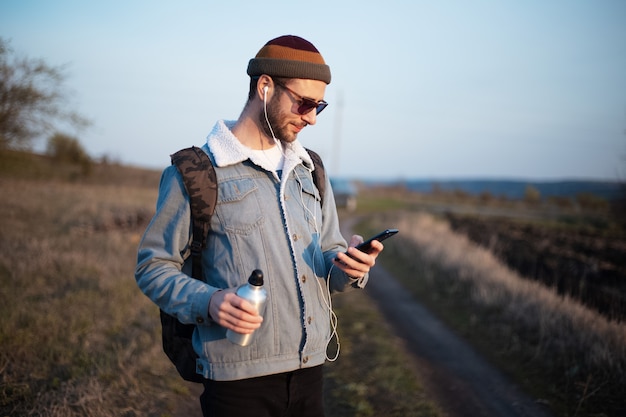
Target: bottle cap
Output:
[{"x": 256, "y": 278}]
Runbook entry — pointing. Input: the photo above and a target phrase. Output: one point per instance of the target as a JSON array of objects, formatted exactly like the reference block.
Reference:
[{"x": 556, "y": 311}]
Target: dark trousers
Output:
[{"x": 290, "y": 394}]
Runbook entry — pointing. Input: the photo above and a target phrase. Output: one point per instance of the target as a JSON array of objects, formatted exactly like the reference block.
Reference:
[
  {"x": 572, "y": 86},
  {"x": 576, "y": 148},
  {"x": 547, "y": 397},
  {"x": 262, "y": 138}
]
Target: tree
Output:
[
  {"x": 32, "y": 99},
  {"x": 67, "y": 149}
]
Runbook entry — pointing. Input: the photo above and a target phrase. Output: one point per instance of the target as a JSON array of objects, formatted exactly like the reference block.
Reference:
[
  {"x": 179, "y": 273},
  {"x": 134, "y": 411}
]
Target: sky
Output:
[{"x": 532, "y": 89}]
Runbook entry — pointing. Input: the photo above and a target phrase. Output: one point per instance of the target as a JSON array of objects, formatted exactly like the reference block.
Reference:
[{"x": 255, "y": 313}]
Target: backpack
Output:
[{"x": 200, "y": 182}]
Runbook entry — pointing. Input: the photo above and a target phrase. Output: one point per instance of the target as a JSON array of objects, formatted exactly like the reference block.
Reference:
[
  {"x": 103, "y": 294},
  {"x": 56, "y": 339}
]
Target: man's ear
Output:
[{"x": 264, "y": 86}]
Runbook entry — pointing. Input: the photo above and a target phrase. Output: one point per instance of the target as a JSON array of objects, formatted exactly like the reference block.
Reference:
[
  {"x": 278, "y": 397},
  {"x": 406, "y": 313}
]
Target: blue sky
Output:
[{"x": 421, "y": 89}]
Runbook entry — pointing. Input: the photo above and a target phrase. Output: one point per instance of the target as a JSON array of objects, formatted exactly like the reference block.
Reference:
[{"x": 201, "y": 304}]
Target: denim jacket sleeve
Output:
[{"x": 162, "y": 252}]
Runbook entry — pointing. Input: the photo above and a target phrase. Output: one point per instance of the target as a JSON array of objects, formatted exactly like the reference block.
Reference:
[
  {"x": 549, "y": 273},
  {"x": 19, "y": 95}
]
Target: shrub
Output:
[{"x": 67, "y": 149}]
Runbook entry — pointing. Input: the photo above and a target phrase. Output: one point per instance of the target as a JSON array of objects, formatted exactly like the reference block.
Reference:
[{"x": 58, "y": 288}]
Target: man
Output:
[{"x": 269, "y": 216}]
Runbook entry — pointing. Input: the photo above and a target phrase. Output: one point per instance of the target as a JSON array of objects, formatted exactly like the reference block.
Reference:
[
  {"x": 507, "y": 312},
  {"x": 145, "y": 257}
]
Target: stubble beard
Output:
[{"x": 277, "y": 121}]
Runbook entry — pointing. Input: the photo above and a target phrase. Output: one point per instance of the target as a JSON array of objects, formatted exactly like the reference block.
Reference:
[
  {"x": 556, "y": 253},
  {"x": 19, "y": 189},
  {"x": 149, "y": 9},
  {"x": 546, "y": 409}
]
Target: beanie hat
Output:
[{"x": 289, "y": 57}]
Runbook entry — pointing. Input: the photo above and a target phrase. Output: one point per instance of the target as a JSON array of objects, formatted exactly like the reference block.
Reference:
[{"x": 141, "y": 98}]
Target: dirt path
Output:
[
  {"x": 461, "y": 381},
  {"x": 456, "y": 377}
]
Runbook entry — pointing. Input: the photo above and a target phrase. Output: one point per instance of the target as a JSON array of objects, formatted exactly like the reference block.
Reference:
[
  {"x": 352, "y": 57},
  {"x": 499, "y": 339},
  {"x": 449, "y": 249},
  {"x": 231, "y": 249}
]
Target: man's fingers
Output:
[{"x": 238, "y": 314}]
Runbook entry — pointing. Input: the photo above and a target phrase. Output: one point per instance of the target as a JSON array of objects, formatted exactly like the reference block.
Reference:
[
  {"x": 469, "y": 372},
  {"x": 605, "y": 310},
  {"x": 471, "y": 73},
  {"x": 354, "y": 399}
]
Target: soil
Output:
[{"x": 586, "y": 264}]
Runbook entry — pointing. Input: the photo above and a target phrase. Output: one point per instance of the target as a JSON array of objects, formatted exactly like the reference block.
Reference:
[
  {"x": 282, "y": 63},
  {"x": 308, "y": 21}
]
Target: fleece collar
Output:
[{"x": 227, "y": 150}]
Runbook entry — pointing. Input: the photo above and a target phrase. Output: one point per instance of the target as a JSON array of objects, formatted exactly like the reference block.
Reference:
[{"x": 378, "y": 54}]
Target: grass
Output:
[
  {"x": 77, "y": 337},
  {"x": 371, "y": 376},
  {"x": 562, "y": 353}
]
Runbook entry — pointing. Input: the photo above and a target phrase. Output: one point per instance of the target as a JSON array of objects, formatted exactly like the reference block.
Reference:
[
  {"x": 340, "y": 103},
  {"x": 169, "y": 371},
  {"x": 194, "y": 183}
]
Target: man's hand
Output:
[
  {"x": 358, "y": 263},
  {"x": 233, "y": 312}
]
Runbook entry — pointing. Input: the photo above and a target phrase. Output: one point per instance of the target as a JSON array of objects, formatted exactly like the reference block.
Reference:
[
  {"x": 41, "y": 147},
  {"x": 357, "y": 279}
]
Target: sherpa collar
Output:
[{"x": 227, "y": 150}]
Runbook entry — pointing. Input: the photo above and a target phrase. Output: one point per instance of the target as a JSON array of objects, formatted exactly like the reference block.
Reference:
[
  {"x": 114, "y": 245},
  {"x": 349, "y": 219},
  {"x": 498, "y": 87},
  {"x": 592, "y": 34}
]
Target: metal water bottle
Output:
[{"x": 256, "y": 294}]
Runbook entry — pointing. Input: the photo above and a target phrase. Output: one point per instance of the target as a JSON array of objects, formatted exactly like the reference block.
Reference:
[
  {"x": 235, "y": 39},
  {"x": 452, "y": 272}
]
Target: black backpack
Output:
[{"x": 200, "y": 182}]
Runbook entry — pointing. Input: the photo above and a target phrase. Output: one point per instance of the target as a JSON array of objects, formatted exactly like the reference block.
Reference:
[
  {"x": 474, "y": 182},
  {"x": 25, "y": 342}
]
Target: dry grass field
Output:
[
  {"x": 568, "y": 355},
  {"x": 77, "y": 337}
]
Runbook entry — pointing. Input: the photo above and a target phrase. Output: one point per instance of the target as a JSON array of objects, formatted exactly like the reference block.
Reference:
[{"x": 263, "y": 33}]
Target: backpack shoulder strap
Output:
[
  {"x": 201, "y": 184},
  {"x": 319, "y": 174}
]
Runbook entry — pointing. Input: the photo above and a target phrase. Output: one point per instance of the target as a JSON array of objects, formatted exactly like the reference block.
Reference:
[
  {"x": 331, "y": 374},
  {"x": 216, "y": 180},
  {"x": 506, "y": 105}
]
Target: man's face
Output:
[{"x": 283, "y": 107}]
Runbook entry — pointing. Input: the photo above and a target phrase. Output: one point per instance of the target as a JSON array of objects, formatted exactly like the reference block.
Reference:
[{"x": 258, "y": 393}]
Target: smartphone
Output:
[{"x": 367, "y": 245}]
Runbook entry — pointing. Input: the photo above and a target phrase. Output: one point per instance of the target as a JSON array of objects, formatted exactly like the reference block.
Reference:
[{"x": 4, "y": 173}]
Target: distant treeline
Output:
[{"x": 516, "y": 189}]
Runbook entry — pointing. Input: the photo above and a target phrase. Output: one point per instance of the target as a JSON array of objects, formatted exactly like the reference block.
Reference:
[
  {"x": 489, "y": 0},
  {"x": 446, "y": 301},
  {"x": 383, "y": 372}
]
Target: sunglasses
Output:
[{"x": 305, "y": 105}]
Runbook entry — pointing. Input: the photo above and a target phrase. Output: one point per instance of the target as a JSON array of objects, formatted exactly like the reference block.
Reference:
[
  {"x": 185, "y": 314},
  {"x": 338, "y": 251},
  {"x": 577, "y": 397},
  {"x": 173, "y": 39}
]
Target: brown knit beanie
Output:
[{"x": 289, "y": 57}]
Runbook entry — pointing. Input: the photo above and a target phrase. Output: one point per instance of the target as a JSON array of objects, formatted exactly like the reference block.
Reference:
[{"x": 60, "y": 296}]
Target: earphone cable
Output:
[{"x": 332, "y": 316}]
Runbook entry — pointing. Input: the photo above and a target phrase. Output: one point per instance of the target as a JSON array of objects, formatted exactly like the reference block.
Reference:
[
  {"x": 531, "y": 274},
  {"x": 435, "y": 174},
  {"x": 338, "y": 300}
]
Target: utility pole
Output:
[{"x": 337, "y": 136}]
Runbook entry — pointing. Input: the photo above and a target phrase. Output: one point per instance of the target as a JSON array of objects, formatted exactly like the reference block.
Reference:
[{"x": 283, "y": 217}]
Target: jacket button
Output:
[
  {"x": 199, "y": 320},
  {"x": 303, "y": 279},
  {"x": 295, "y": 237},
  {"x": 305, "y": 359},
  {"x": 309, "y": 319}
]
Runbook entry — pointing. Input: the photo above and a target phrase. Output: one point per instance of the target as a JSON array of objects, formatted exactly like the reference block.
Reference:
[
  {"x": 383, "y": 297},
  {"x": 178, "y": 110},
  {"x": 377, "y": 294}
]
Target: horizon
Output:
[{"x": 619, "y": 181}]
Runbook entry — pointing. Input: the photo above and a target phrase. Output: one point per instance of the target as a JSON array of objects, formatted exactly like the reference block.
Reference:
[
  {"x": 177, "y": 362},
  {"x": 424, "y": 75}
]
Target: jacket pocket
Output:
[{"x": 239, "y": 209}]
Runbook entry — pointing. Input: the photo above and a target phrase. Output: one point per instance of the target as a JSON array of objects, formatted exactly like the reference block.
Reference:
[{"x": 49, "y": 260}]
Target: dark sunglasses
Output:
[{"x": 305, "y": 105}]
